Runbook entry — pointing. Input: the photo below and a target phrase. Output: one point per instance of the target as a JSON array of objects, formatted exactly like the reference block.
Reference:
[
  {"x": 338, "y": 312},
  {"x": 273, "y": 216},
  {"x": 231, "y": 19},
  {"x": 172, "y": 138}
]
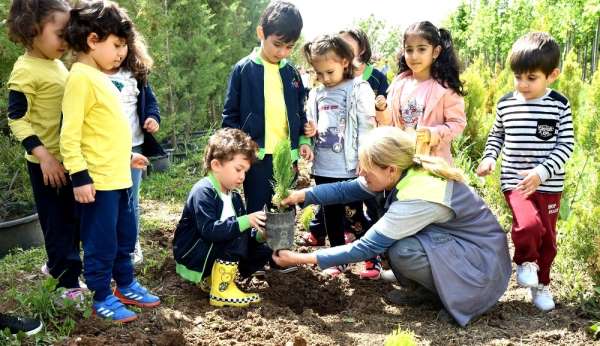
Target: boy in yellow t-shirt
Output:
[
  {"x": 95, "y": 142},
  {"x": 265, "y": 99}
]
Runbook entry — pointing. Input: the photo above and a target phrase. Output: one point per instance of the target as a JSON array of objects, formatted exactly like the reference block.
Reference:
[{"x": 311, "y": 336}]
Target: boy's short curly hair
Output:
[
  {"x": 283, "y": 19},
  {"x": 26, "y": 18},
  {"x": 224, "y": 144},
  {"x": 100, "y": 17},
  {"x": 535, "y": 51}
]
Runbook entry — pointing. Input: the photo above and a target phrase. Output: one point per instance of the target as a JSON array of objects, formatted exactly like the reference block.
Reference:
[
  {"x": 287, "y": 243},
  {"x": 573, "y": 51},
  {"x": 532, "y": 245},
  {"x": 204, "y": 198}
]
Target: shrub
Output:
[{"x": 16, "y": 197}]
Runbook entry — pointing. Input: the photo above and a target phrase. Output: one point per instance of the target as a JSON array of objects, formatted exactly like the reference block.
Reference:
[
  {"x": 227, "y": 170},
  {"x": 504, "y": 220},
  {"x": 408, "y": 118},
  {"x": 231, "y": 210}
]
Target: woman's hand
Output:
[
  {"x": 287, "y": 258},
  {"x": 295, "y": 197}
]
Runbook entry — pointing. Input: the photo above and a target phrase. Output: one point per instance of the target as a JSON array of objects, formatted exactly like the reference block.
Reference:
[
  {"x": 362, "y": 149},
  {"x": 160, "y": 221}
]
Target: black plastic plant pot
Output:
[
  {"x": 160, "y": 163},
  {"x": 24, "y": 233},
  {"x": 280, "y": 230}
]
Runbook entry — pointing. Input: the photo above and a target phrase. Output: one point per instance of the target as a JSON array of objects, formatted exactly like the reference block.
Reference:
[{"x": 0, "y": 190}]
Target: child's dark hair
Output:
[
  {"x": 282, "y": 19},
  {"x": 535, "y": 51},
  {"x": 224, "y": 144},
  {"x": 445, "y": 69},
  {"x": 100, "y": 17},
  {"x": 26, "y": 18},
  {"x": 326, "y": 44},
  {"x": 138, "y": 61},
  {"x": 364, "y": 48}
]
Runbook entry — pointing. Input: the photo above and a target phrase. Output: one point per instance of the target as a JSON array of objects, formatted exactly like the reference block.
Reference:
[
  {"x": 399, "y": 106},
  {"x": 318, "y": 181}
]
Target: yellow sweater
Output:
[
  {"x": 95, "y": 139},
  {"x": 42, "y": 81}
]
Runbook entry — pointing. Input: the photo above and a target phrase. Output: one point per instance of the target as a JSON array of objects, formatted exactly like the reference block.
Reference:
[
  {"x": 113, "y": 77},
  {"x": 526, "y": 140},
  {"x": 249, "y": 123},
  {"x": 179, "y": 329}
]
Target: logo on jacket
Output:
[{"x": 545, "y": 129}]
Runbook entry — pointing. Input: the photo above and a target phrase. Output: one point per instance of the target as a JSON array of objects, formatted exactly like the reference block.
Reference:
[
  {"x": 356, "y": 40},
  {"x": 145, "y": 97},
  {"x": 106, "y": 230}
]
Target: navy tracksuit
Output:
[{"x": 56, "y": 211}]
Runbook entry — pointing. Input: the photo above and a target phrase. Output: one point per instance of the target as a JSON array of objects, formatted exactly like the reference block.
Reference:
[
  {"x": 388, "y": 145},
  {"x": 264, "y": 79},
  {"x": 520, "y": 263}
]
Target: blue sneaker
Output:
[
  {"x": 112, "y": 309},
  {"x": 138, "y": 295}
]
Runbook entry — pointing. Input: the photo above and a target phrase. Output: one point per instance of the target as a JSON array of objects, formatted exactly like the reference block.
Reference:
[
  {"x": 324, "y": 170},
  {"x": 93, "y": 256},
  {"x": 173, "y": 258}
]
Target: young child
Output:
[
  {"x": 534, "y": 131},
  {"x": 427, "y": 93},
  {"x": 36, "y": 86},
  {"x": 95, "y": 142},
  {"x": 141, "y": 108},
  {"x": 214, "y": 235},
  {"x": 343, "y": 109},
  {"x": 266, "y": 75},
  {"x": 358, "y": 40}
]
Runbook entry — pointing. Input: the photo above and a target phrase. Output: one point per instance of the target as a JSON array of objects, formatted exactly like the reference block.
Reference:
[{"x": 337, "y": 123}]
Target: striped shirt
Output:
[{"x": 532, "y": 134}]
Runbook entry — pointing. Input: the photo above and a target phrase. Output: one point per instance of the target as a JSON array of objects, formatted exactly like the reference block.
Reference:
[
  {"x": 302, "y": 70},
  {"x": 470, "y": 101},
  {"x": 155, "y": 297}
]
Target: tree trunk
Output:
[{"x": 595, "y": 47}]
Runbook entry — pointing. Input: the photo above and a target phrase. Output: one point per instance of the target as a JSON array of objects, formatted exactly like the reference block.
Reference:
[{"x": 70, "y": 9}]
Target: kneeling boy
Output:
[{"x": 215, "y": 235}]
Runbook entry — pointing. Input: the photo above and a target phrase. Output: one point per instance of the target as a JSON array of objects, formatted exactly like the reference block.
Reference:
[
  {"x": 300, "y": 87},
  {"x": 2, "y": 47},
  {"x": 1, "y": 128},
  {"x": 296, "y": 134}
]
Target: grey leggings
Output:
[{"x": 410, "y": 264}]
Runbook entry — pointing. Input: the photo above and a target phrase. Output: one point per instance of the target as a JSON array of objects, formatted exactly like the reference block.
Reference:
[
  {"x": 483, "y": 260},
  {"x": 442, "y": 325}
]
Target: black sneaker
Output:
[{"x": 18, "y": 324}]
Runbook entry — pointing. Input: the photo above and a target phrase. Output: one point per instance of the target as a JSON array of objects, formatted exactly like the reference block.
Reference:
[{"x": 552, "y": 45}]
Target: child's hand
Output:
[
  {"x": 306, "y": 152},
  {"x": 139, "y": 161},
  {"x": 151, "y": 125},
  {"x": 295, "y": 197},
  {"x": 85, "y": 193},
  {"x": 310, "y": 129},
  {"x": 257, "y": 220},
  {"x": 52, "y": 170},
  {"x": 486, "y": 167},
  {"x": 380, "y": 103},
  {"x": 530, "y": 183}
]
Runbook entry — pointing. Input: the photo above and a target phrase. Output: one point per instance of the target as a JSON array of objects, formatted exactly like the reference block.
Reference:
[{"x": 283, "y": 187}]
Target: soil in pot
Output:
[{"x": 280, "y": 230}]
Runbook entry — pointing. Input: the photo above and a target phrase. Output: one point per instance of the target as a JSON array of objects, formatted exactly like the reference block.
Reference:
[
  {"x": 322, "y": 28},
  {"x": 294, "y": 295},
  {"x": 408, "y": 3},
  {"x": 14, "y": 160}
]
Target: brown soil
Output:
[{"x": 305, "y": 308}]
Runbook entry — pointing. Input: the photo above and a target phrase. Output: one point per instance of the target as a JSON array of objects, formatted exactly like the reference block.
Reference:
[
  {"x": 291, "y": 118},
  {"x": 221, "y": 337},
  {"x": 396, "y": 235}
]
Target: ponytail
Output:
[
  {"x": 439, "y": 167},
  {"x": 390, "y": 146}
]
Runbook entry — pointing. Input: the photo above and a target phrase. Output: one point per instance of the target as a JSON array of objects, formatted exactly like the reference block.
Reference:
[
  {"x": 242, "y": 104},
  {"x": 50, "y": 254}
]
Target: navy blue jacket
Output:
[
  {"x": 147, "y": 107},
  {"x": 201, "y": 234},
  {"x": 245, "y": 100}
]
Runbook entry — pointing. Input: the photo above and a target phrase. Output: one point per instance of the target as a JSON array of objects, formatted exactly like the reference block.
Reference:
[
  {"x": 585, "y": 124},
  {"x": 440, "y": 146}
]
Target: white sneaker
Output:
[
  {"x": 137, "y": 257},
  {"x": 45, "y": 270},
  {"x": 542, "y": 297},
  {"x": 388, "y": 276},
  {"x": 527, "y": 274}
]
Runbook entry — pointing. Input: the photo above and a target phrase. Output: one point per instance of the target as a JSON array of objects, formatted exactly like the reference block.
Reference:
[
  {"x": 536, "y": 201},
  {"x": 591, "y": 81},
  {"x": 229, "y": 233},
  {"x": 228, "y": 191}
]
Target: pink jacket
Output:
[{"x": 444, "y": 115}]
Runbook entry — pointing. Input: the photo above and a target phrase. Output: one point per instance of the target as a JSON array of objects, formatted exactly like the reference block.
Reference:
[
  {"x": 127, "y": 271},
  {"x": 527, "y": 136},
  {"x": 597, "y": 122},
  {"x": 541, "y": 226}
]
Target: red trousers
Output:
[{"x": 534, "y": 229}]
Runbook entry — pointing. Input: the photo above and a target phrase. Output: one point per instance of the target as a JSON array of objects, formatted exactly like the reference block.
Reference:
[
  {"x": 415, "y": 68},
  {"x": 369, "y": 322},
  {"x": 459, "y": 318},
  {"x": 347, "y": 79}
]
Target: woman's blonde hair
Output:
[{"x": 390, "y": 146}]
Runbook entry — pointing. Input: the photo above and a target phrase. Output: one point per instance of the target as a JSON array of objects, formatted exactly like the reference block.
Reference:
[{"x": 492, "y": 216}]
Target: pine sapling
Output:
[{"x": 283, "y": 173}]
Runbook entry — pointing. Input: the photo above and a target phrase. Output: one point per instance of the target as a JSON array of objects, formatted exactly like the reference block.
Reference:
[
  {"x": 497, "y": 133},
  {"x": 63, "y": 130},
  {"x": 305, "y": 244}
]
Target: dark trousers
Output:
[
  {"x": 244, "y": 249},
  {"x": 333, "y": 220},
  {"x": 534, "y": 229},
  {"x": 108, "y": 232},
  {"x": 257, "y": 185},
  {"x": 56, "y": 211}
]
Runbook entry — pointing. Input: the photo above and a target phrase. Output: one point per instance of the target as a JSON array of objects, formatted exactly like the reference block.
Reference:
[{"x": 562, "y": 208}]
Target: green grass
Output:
[{"x": 26, "y": 294}]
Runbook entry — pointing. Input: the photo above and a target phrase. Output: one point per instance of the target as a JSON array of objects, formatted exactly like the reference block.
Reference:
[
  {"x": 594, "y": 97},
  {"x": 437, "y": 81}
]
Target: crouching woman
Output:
[{"x": 437, "y": 232}]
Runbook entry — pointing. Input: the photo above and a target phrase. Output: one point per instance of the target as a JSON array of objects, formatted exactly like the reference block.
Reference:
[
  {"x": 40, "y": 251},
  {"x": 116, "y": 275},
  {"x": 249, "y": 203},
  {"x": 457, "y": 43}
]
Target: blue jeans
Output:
[
  {"x": 108, "y": 235},
  {"x": 136, "y": 177}
]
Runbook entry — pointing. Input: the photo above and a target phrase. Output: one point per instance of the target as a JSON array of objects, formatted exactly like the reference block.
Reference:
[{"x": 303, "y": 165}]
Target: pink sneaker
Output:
[
  {"x": 349, "y": 237},
  {"x": 372, "y": 270},
  {"x": 336, "y": 271}
]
